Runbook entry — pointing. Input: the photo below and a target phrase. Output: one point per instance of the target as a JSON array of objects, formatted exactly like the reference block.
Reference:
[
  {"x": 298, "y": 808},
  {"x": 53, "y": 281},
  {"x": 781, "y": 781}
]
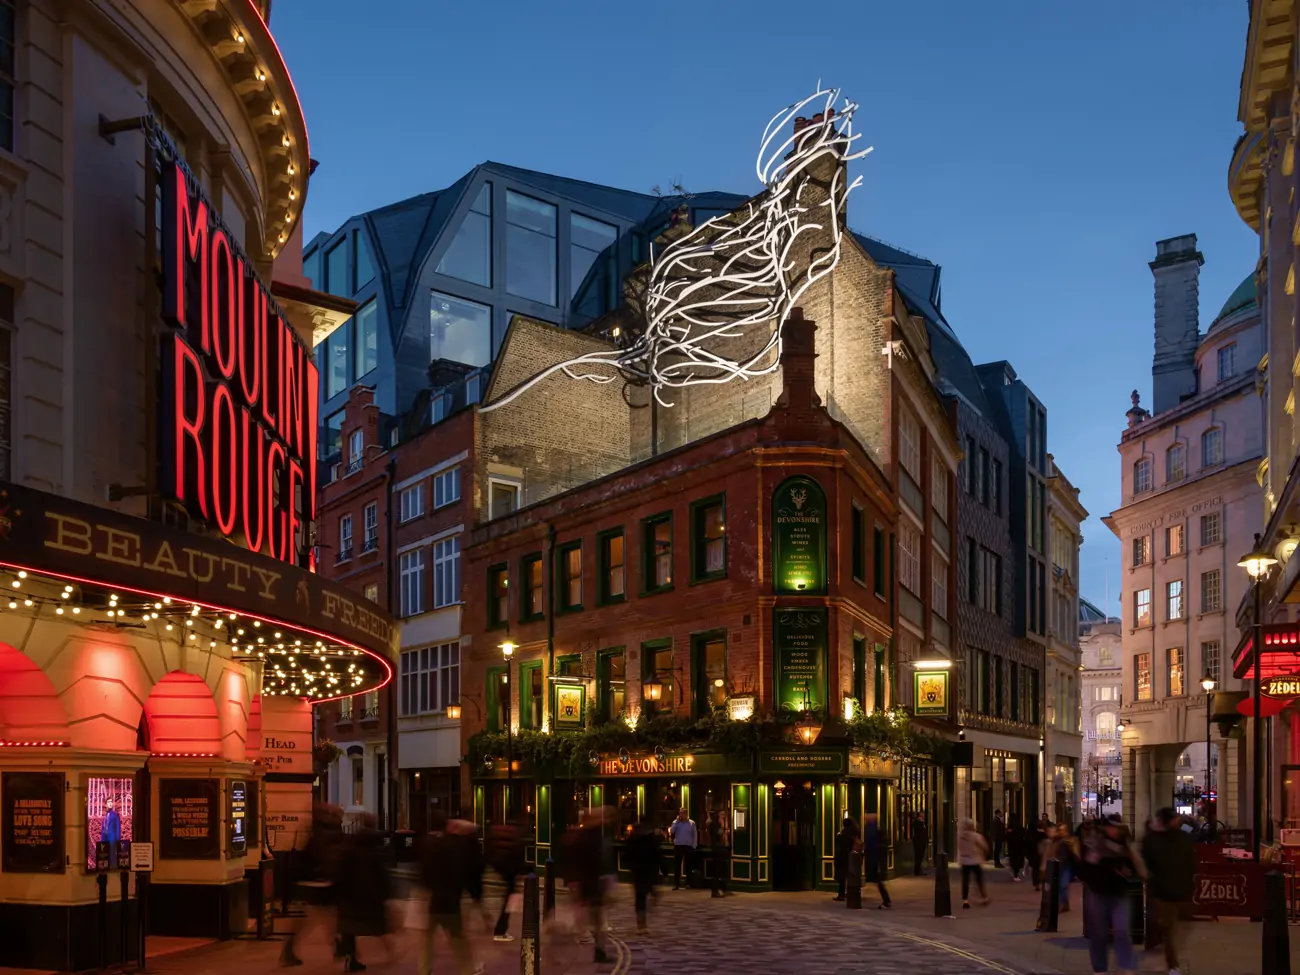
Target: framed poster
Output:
[
  {"x": 569, "y": 701},
  {"x": 32, "y": 822},
  {"x": 931, "y": 687},
  {"x": 239, "y": 818},
  {"x": 188, "y": 819},
  {"x": 110, "y": 812}
]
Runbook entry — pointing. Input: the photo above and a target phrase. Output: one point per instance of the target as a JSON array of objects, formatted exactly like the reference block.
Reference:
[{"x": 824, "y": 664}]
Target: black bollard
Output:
[
  {"x": 102, "y": 881},
  {"x": 141, "y": 918},
  {"x": 549, "y": 905},
  {"x": 1137, "y": 911},
  {"x": 853, "y": 882},
  {"x": 530, "y": 939},
  {"x": 1275, "y": 939},
  {"x": 1154, "y": 939},
  {"x": 942, "y": 886},
  {"x": 125, "y": 876},
  {"x": 1049, "y": 907}
]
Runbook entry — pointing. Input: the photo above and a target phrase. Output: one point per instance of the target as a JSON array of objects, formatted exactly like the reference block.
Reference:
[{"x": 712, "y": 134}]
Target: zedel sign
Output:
[
  {"x": 46, "y": 533},
  {"x": 238, "y": 404},
  {"x": 1287, "y": 686}
]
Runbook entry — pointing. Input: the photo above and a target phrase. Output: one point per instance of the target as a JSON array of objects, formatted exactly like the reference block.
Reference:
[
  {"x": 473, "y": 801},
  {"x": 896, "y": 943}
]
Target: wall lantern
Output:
[{"x": 652, "y": 688}]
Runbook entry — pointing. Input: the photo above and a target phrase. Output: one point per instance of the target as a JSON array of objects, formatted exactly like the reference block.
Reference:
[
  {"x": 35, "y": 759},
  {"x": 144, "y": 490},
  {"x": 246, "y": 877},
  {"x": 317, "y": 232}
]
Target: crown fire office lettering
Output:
[{"x": 238, "y": 405}]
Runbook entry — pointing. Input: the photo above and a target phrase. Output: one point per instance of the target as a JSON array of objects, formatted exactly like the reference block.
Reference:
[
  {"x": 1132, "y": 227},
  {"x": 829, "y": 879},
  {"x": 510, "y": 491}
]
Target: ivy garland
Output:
[{"x": 888, "y": 734}]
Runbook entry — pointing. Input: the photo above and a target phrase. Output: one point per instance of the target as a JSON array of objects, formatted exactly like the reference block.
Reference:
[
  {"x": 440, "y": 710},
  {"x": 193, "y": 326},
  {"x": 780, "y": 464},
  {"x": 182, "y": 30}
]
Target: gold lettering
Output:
[
  {"x": 194, "y": 572},
  {"x": 348, "y": 608},
  {"x": 121, "y": 547},
  {"x": 165, "y": 561},
  {"x": 70, "y": 534},
  {"x": 328, "y": 609},
  {"x": 236, "y": 567},
  {"x": 269, "y": 579}
]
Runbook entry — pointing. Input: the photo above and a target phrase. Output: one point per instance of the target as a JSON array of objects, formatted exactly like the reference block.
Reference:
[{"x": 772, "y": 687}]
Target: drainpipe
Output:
[{"x": 390, "y": 730}]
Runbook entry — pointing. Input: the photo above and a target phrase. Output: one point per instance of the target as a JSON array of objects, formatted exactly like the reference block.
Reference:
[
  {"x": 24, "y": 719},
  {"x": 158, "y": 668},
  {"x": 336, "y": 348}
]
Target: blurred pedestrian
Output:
[
  {"x": 686, "y": 838},
  {"x": 445, "y": 868},
  {"x": 1169, "y": 853},
  {"x": 972, "y": 851},
  {"x": 1016, "y": 849},
  {"x": 364, "y": 888},
  {"x": 504, "y": 853},
  {"x": 845, "y": 840},
  {"x": 720, "y": 840},
  {"x": 1066, "y": 851},
  {"x": 920, "y": 842},
  {"x": 1107, "y": 866},
  {"x": 466, "y": 834},
  {"x": 313, "y": 881},
  {"x": 641, "y": 851},
  {"x": 590, "y": 865},
  {"x": 1038, "y": 848},
  {"x": 873, "y": 858},
  {"x": 999, "y": 837}
]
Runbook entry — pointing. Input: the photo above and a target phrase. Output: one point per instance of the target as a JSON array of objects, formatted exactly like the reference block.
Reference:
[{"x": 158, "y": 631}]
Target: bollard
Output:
[
  {"x": 530, "y": 940},
  {"x": 1049, "y": 907},
  {"x": 125, "y": 931},
  {"x": 853, "y": 882},
  {"x": 1137, "y": 911},
  {"x": 549, "y": 904},
  {"x": 102, "y": 881},
  {"x": 1275, "y": 938},
  {"x": 141, "y": 918},
  {"x": 1154, "y": 938},
  {"x": 942, "y": 886}
]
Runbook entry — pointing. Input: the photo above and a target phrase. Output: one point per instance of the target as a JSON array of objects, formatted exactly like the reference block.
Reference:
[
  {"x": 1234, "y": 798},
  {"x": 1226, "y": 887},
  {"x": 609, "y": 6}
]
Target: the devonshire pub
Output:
[
  {"x": 706, "y": 629},
  {"x": 162, "y": 631}
]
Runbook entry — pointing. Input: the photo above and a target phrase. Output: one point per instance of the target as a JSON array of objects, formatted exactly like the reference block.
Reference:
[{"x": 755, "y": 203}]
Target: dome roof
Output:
[{"x": 1243, "y": 296}]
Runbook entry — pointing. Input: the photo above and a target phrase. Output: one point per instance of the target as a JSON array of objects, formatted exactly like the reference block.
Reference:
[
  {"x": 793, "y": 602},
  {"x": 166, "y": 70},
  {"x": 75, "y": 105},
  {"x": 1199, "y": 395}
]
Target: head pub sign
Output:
[{"x": 799, "y": 537}]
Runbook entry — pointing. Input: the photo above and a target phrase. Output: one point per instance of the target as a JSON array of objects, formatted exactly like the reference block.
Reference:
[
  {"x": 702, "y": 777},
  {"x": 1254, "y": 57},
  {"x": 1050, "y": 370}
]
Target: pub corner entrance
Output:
[{"x": 794, "y": 836}]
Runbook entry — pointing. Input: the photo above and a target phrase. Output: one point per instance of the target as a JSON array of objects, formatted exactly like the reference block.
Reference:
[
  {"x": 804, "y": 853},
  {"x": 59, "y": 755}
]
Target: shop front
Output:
[{"x": 1002, "y": 777}]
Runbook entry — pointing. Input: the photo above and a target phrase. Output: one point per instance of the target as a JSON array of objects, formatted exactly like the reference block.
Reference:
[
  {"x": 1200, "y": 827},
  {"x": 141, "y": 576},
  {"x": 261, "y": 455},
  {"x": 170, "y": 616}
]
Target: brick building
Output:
[{"x": 743, "y": 573}]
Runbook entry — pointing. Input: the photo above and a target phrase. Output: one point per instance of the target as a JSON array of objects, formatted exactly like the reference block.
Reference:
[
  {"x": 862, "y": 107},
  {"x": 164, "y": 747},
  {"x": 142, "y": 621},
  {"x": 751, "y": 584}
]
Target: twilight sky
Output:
[{"x": 1035, "y": 150}]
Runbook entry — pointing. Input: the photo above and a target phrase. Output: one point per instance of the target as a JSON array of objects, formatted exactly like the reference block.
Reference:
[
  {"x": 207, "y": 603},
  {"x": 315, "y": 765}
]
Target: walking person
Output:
[
  {"x": 920, "y": 842},
  {"x": 641, "y": 851},
  {"x": 505, "y": 855},
  {"x": 873, "y": 858},
  {"x": 1016, "y": 849},
  {"x": 364, "y": 889},
  {"x": 999, "y": 837},
  {"x": 686, "y": 838},
  {"x": 720, "y": 840},
  {"x": 1038, "y": 848},
  {"x": 1067, "y": 856},
  {"x": 445, "y": 870},
  {"x": 1169, "y": 853},
  {"x": 1106, "y": 867},
  {"x": 972, "y": 851},
  {"x": 314, "y": 882},
  {"x": 845, "y": 840},
  {"x": 591, "y": 866}
]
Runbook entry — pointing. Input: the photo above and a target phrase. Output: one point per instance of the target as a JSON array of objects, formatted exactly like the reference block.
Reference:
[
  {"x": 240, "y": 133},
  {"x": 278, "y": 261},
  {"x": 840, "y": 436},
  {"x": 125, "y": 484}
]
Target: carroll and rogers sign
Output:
[{"x": 238, "y": 404}]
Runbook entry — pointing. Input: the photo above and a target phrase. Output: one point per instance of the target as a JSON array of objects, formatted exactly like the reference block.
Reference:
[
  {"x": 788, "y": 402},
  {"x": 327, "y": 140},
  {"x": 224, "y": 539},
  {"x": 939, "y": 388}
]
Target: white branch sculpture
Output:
[{"x": 735, "y": 275}]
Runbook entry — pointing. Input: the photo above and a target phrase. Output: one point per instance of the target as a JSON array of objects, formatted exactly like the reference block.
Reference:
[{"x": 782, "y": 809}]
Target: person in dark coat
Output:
[
  {"x": 999, "y": 837},
  {"x": 719, "y": 839},
  {"x": 364, "y": 888},
  {"x": 920, "y": 841},
  {"x": 1038, "y": 851},
  {"x": 1016, "y": 849},
  {"x": 844, "y": 842},
  {"x": 446, "y": 869},
  {"x": 313, "y": 879},
  {"x": 505, "y": 855},
  {"x": 641, "y": 852},
  {"x": 873, "y": 858},
  {"x": 1170, "y": 857},
  {"x": 589, "y": 857}
]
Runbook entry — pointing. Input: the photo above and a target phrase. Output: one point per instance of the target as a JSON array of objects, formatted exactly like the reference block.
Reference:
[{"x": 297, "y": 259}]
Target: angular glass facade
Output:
[
  {"x": 530, "y": 248},
  {"x": 469, "y": 255},
  {"x": 459, "y": 330}
]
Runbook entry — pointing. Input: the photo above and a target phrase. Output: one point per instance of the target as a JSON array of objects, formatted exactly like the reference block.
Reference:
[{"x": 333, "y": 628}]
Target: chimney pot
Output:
[{"x": 799, "y": 363}]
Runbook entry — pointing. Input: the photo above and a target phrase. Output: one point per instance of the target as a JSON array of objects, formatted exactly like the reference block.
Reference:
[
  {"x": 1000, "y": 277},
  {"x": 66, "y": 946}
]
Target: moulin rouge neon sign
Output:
[{"x": 238, "y": 432}]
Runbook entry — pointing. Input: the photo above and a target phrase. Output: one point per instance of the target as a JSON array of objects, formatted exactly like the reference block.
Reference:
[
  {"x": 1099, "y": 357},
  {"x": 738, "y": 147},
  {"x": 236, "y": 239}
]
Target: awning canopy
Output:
[{"x": 1280, "y": 654}]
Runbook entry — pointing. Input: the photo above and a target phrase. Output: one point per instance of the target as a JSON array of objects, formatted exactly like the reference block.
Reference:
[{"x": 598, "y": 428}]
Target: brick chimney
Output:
[
  {"x": 799, "y": 363},
  {"x": 1177, "y": 270}
]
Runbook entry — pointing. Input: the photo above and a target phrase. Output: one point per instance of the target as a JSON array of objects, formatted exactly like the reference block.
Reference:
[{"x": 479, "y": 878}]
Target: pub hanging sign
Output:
[
  {"x": 1285, "y": 686},
  {"x": 931, "y": 693},
  {"x": 238, "y": 404}
]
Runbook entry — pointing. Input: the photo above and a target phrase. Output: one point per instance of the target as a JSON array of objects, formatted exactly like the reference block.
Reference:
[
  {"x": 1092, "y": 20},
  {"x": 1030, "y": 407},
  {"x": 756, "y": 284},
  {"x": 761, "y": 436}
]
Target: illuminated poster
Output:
[
  {"x": 188, "y": 819},
  {"x": 32, "y": 828},
  {"x": 238, "y": 818},
  {"x": 109, "y": 809}
]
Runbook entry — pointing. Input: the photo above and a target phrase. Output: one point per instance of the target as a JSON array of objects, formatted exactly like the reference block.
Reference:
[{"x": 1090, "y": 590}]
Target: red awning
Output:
[{"x": 1280, "y": 656}]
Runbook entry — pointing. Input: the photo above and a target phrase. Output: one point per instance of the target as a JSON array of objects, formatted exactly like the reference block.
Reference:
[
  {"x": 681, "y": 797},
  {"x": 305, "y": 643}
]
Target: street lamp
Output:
[
  {"x": 1257, "y": 563},
  {"x": 1207, "y": 683},
  {"x": 807, "y": 727},
  {"x": 508, "y": 651}
]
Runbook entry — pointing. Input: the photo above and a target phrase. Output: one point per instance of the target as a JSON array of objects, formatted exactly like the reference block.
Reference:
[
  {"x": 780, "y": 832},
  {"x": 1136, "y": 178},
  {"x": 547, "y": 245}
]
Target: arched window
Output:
[
  {"x": 1142, "y": 476},
  {"x": 1176, "y": 463},
  {"x": 1212, "y": 447},
  {"x": 1106, "y": 724}
]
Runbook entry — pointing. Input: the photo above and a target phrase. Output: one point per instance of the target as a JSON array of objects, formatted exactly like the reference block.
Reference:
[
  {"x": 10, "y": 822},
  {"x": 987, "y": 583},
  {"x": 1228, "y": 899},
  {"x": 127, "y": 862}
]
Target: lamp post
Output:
[
  {"x": 508, "y": 650},
  {"x": 1208, "y": 682},
  {"x": 1257, "y": 564}
]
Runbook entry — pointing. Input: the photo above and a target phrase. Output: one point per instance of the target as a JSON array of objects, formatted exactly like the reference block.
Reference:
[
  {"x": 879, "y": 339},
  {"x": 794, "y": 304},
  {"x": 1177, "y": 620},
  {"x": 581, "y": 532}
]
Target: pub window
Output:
[
  {"x": 611, "y": 676},
  {"x": 530, "y": 693},
  {"x": 708, "y": 539},
  {"x": 658, "y": 663},
  {"x": 530, "y": 575},
  {"x": 859, "y": 690},
  {"x": 859, "y": 544},
  {"x": 569, "y": 559},
  {"x": 658, "y": 551},
  {"x": 498, "y": 686},
  {"x": 611, "y": 566},
  {"x": 498, "y": 596},
  {"x": 710, "y": 672}
]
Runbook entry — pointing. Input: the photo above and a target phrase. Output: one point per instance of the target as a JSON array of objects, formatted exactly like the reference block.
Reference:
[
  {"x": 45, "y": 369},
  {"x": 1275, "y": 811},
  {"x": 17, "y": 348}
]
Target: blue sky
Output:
[{"x": 1036, "y": 150}]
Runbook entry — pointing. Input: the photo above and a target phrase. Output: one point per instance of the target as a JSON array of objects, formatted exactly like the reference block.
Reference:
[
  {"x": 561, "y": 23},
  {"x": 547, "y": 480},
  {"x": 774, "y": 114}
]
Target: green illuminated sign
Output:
[
  {"x": 799, "y": 537},
  {"x": 799, "y": 653}
]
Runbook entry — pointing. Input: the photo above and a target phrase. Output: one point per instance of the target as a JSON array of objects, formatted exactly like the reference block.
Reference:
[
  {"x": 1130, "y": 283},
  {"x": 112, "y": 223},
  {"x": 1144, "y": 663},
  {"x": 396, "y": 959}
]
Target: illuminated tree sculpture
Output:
[{"x": 725, "y": 286}]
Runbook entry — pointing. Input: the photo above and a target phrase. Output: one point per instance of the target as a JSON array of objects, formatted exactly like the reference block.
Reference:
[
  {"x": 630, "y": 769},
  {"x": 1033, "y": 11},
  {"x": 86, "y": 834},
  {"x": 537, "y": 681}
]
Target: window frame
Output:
[
  {"x": 439, "y": 564},
  {"x": 878, "y": 560},
  {"x": 526, "y": 590},
  {"x": 1215, "y": 671},
  {"x": 604, "y": 682},
  {"x": 371, "y": 320},
  {"x": 504, "y": 483},
  {"x": 563, "y": 580},
  {"x": 1143, "y": 557},
  {"x": 1142, "y": 485},
  {"x": 1137, "y": 609},
  {"x": 492, "y": 697},
  {"x": 699, "y": 543},
  {"x": 667, "y": 703},
  {"x": 604, "y": 597},
  {"x": 1175, "y": 599},
  {"x": 498, "y": 576},
  {"x": 345, "y": 552},
  {"x": 1172, "y": 532},
  {"x": 417, "y": 572},
  {"x": 1214, "y": 435},
  {"x": 1181, "y": 660},
  {"x": 1175, "y": 463},
  {"x": 416, "y": 491},
  {"x": 701, "y": 683},
  {"x": 1231, "y": 350},
  {"x": 554, "y": 236},
  {"x": 450, "y": 474},
  {"x": 370, "y": 523},
  {"x": 1215, "y": 606},
  {"x": 858, "y": 550},
  {"x": 649, "y": 556},
  {"x": 1217, "y": 522},
  {"x": 526, "y": 670}
]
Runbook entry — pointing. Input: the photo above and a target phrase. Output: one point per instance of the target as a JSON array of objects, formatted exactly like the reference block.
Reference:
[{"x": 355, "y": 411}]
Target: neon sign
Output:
[{"x": 238, "y": 406}]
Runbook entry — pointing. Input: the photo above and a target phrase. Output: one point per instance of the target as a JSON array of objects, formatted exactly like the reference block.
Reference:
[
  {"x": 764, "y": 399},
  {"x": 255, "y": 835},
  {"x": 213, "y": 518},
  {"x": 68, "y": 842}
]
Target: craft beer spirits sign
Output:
[
  {"x": 799, "y": 537},
  {"x": 799, "y": 652},
  {"x": 238, "y": 405}
]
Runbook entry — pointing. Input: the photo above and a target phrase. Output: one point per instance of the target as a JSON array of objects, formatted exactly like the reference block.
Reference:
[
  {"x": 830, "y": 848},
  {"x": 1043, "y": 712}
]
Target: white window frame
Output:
[
  {"x": 1214, "y": 518},
  {"x": 909, "y": 559},
  {"x": 410, "y": 503},
  {"x": 505, "y": 484},
  {"x": 446, "y": 572},
  {"x": 909, "y": 444},
  {"x": 446, "y": 487},
  {"x": 429, "y": 679},
  {"x": 1211, "y": 591},
  {"x": 370, "y": 517},
  {"x": 939, "y": 479},
  {"x": 1212, "y": 658},
  {"x": 939, "y": 583},
  {"x": 1175, "y": 601},
  {"x": 356, "y": 450},
  {"x": 345, "y": 538},
  {"x": 411, "y": 588},
  {"x": 1176, "y": 463},
  {"x": 1226, "y": 353},
  {"x": 1141, "y": 485},
  {"x": 1212, "y": 436}
]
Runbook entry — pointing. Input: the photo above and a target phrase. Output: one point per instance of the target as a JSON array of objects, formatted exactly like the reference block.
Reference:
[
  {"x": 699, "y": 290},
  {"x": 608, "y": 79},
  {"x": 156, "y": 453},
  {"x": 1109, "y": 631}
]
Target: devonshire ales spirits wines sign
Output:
[{"x": 238, "y": 424}]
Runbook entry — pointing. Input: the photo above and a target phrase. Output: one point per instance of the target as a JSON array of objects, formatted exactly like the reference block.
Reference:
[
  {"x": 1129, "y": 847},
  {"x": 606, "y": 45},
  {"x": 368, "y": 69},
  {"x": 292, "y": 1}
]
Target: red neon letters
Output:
[{"x": 239, "y": 388}]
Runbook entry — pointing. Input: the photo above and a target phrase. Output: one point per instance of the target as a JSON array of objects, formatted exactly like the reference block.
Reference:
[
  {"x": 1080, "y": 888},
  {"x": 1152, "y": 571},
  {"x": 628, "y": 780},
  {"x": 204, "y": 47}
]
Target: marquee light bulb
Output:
[
  {"x": 16, "y": 584},
  {"x": 59, "y": 610},
  {"x": 27, "y": 602},
  {"x": 12, "y": 604},
  {"x": 22, "y": 573},
  {"x": 76, "y": 609},
  {"x": 275, "y": 109},
  {"x": 65, "y": 594}
]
